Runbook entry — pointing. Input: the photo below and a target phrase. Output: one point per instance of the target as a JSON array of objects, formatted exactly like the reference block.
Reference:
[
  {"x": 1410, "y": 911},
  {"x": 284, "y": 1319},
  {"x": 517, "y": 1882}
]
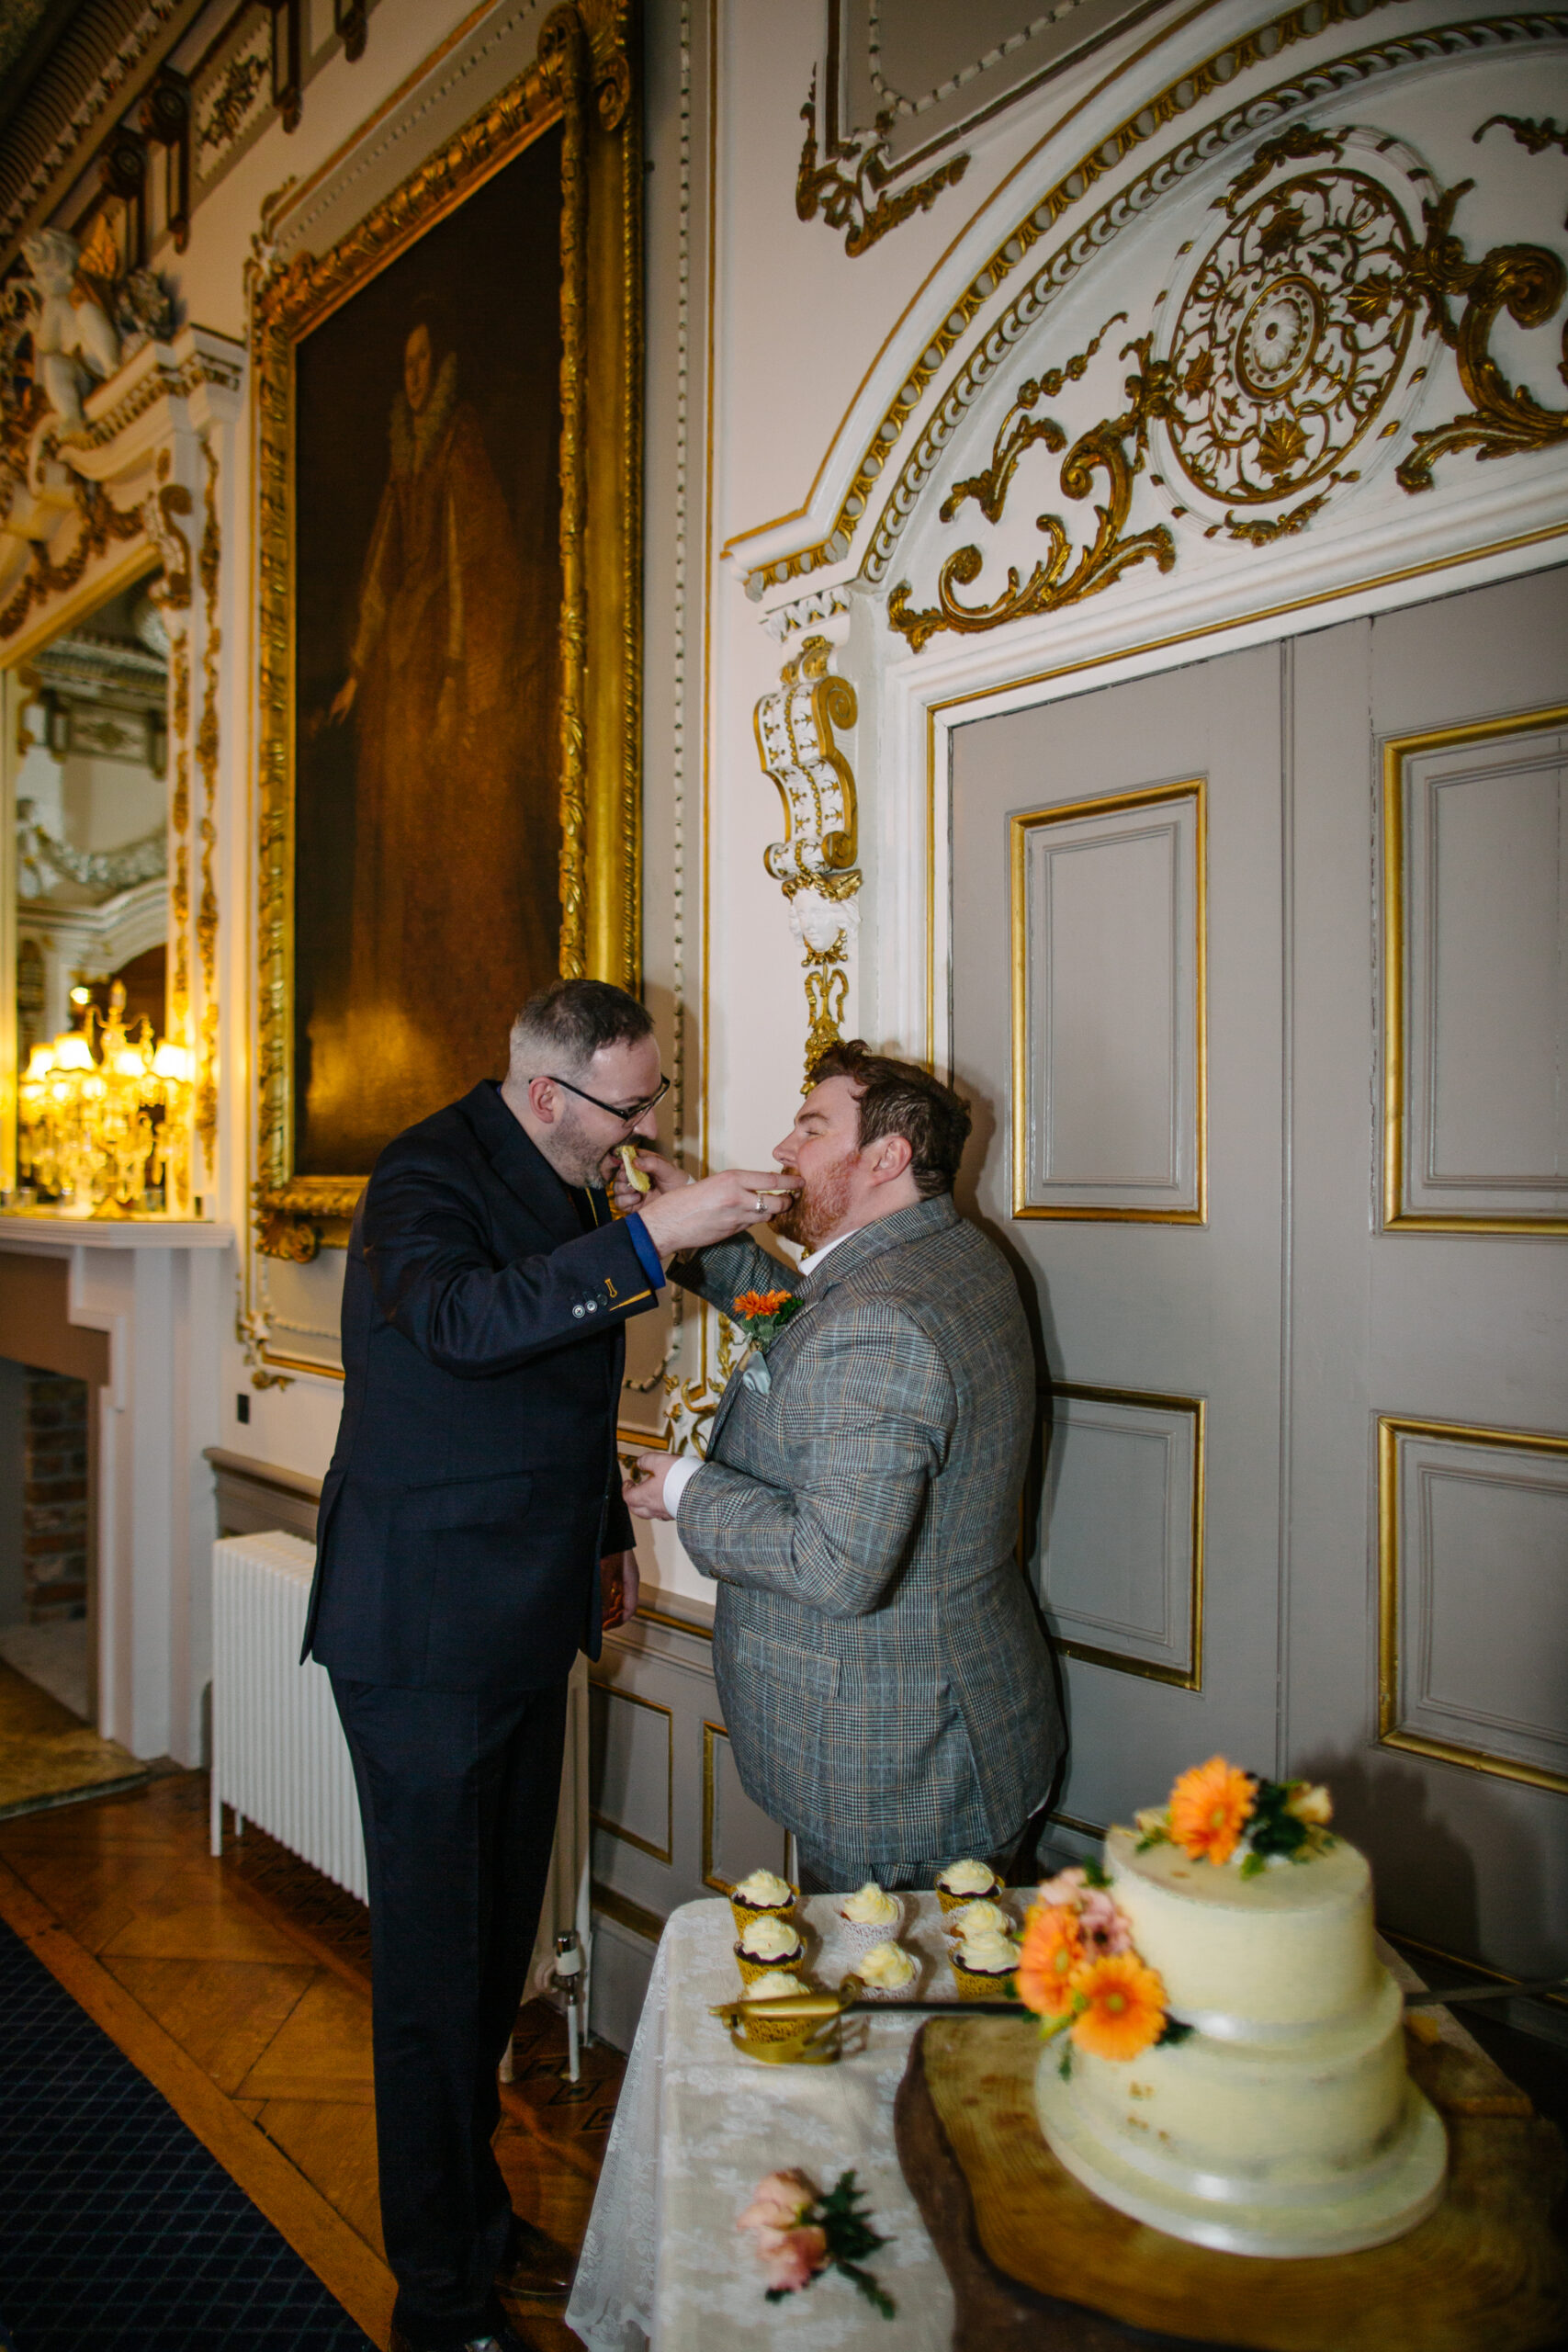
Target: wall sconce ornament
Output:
[{"x": 815, "y": 863}]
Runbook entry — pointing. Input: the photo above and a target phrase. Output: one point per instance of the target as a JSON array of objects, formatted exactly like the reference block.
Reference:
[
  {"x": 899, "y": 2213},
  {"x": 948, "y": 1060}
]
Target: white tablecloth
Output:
[{"x": 698, "y": 2126}]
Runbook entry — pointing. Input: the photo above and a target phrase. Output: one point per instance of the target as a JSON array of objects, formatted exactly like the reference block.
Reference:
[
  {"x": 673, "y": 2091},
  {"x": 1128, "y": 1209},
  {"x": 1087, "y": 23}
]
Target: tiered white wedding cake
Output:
[{"x": 1273, "y": 2114}]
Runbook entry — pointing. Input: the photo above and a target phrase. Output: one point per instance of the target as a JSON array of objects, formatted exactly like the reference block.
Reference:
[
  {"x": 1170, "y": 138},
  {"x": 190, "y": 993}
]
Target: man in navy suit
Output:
[{"x": 472, "y": 1539}]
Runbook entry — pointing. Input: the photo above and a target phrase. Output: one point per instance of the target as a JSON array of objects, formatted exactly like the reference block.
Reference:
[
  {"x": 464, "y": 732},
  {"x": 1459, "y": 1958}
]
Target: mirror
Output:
[{"x": 101, "y": 1096}]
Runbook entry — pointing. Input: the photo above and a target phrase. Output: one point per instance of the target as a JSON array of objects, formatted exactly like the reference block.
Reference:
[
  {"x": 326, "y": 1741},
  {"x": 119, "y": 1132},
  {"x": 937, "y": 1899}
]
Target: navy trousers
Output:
[{"x": 457, "y": 1793}]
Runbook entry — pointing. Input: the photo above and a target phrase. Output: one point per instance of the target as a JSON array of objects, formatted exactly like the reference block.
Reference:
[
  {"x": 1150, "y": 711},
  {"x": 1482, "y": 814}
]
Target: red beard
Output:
[{"x": 811, "y": 1214}]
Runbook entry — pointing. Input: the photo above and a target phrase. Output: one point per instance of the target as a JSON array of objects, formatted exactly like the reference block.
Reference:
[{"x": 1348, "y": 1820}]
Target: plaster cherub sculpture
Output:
[{"x": 74, "y": 343}]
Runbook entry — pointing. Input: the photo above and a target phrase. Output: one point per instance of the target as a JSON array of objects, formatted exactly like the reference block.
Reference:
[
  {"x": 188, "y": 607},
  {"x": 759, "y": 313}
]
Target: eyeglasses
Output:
[{"x": 628, "y": 1114}]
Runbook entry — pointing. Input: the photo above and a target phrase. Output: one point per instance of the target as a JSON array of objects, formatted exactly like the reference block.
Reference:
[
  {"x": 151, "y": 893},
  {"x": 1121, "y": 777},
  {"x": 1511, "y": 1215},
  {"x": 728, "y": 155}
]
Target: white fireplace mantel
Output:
[{"x": 156, "y": 1289}]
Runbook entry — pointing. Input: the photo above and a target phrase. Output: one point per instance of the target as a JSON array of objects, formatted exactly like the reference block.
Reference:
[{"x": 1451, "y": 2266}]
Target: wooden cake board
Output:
[{"x": 1039, "y": 2264}]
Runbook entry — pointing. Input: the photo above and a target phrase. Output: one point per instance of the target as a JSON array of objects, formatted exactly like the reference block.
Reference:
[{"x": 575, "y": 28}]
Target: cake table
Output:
[{"x": 1038, "y": 2264}]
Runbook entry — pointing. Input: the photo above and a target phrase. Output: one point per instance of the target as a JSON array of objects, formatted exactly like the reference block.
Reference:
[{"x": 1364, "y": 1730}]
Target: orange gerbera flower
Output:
[
  {"x": 761, "y": 1301},
  {"x": 1210, "y": 1808},
  {"x": 1052, "y": 1951},
  {"x": 1123, "y": 2007}
]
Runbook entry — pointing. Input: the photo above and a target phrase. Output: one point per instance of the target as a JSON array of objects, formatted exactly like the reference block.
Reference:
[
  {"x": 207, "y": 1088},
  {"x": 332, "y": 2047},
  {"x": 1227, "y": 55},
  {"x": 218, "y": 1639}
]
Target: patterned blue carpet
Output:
[{"x": 120, "y": 2233}]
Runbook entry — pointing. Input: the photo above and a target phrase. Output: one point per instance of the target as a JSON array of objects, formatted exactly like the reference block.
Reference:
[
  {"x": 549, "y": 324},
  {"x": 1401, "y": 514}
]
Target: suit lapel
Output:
[
  {"x": 871, "y": 1241},
  {"x": 521, "y": 1166}
]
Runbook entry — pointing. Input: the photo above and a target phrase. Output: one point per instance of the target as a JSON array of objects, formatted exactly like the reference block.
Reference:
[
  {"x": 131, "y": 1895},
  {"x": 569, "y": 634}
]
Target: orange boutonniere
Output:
[{"x": 761, "y": 1314}]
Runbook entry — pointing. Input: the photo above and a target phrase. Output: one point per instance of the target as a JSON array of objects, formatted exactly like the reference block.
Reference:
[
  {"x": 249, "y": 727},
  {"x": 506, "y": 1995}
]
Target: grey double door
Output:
[{"x": 1259, "y": 981}]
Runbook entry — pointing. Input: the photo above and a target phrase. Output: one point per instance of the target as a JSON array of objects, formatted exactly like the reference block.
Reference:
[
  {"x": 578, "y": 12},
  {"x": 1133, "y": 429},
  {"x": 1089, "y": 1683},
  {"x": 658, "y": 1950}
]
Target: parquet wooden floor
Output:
[{"x": 240, "y": 1989}]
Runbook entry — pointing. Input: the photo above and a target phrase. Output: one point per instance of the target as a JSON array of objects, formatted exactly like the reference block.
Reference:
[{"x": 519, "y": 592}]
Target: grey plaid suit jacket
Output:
[{"x": 884, "y": 1677}]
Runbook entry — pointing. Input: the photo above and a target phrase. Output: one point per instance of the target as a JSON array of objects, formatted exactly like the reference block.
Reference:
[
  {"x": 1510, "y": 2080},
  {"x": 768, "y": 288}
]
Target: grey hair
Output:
[{"x": 561, "y": 1028}]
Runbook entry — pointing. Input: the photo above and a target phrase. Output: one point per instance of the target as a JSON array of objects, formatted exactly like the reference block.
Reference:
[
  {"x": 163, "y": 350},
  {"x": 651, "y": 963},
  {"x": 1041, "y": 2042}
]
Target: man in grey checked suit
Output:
[{"x": 882, "y": 1670}]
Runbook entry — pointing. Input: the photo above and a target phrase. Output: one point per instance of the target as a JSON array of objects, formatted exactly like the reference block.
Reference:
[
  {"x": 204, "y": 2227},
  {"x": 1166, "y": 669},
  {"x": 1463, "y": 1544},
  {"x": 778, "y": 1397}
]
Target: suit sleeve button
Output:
[{"x": 578, "y": 1311}]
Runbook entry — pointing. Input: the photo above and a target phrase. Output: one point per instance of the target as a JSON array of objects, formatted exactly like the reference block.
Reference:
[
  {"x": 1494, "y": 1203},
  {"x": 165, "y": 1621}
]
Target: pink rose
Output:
[
  {"x": 1067, "y": 1887},
  {"x": 1101, "y": 1924},
  {"x": 791, "y": 2259},
  {"x": 778, "y": 2202}
]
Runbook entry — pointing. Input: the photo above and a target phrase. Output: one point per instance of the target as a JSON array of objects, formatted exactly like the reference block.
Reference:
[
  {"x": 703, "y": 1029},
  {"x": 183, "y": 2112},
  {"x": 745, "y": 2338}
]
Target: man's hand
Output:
[
  {"x": 688, "y": 1216},
  {"x": 618, "y": 1588},
  {"x": 662, "y": 1174},
  {"x": 644, "y": 1493}
]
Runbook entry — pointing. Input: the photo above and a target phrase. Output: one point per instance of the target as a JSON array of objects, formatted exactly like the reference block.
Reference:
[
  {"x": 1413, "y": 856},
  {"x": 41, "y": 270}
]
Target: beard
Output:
[
  {"x": 810, "y": 1216},
  {"x": 576, "y": 1157}
]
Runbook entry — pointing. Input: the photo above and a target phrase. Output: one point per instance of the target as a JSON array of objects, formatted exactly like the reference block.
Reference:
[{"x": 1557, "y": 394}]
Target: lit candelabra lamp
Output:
[{"x": 106, "y": 1134}]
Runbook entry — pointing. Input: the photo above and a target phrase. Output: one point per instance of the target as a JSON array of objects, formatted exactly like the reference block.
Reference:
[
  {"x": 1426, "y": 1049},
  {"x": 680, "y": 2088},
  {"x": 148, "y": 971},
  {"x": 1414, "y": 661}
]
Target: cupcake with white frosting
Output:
[
  {"x": 983, "y": 1965},
  {"x": 762, "y": 1897},
  {"x": 974, "y": 1916},
  {"x": 756, "y": 2027},
  {"x": 887, "y": 1972},
  {"x": 766, "y": 1944},
  {"x": 966, "y": 1882},
  {"x": 871, "y": 1916}
]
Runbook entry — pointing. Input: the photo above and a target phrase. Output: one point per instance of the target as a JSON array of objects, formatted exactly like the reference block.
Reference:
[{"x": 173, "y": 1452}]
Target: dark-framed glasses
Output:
[{"x": 628, "y": 1114}]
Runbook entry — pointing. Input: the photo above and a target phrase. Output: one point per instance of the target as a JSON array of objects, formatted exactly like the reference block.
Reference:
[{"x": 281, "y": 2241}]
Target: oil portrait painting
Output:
[{"x": 426, "y": 667}]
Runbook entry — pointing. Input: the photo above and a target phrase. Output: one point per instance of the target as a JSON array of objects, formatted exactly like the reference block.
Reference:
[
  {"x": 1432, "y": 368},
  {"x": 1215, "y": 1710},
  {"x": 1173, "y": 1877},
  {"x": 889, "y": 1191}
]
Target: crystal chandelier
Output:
[{"x": 106, "y": 1134}]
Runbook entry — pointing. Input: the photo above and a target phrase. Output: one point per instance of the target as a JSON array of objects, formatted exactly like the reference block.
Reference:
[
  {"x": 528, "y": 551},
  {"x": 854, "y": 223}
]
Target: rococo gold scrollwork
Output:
[
  {"x": 1534, "y": 137},
  {"x": 582, "y": 77},
  {"x": 1529, "y": 283},
  {"x": 815, "y": 861},
  {"x": 852, "y": 189},
  {"x": 1293, "y": 332},
  {"x": 1116, "y": 448},
  {"x": 1019, "y": 430}
]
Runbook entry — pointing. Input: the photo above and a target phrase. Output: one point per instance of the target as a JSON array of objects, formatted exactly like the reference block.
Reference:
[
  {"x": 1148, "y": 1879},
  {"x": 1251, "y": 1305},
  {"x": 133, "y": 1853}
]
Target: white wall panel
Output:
[
  {"x": 1107, "y": 1006},
  {"x": 1476, "y": 921},
  {"x": 1119, "y": 1572},
  {"x": 1474, "y": 1575},
  {"x": 633, "y": 1749},
  {"x": 737, "y": 1837}
]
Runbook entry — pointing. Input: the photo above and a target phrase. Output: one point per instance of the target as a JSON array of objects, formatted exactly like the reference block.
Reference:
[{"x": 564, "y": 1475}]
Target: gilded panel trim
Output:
[
  {"x": 605, "y": 1821},
  {"x": 712, "y": 1732},
  {"x": 1190, "y": 1675},
  {"x": 1391, "y": 1429},
  {"x": 582, "y": 77},
  {"x": 1031, "y": 820},
  {"x": 1398, "y": 1217}
]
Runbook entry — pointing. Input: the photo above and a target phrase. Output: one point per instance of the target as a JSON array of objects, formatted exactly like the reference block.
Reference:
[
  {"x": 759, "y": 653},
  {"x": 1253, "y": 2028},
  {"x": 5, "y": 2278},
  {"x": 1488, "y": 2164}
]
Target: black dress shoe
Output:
[{"x": 533, "y": 2267}]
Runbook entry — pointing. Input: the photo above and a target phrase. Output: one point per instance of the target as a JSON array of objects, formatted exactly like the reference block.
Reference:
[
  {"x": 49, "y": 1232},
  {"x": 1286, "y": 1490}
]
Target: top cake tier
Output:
[{"x": 1290, "y": 1947}]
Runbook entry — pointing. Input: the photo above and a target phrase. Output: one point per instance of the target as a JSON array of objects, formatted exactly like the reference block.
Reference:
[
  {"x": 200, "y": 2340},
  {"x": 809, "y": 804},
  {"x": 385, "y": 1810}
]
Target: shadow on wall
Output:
[
  {"x": 987, "y": 1134},
  {"x": 1423, "y": 1871}
]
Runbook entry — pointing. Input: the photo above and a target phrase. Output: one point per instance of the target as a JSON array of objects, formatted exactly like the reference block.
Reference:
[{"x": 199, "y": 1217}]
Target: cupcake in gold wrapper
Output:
[
  {"x": 756, "y": 2026},
  {"x": 769, "y": 1943},
  {"x": 760, "y": 1896},
  {"x": 983, "y": 1965},
  {"x": 967, "y": 1882}
]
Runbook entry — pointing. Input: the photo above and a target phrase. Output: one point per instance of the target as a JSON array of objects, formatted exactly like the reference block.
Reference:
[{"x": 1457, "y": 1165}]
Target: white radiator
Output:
[
  {"x": 279, "y": 1753},
  {"x": 279, "y": 1756}
]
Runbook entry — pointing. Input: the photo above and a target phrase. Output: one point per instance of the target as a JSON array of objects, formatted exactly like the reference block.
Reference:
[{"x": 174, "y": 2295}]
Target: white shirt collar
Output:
[{"x": 809, "y": 1265}]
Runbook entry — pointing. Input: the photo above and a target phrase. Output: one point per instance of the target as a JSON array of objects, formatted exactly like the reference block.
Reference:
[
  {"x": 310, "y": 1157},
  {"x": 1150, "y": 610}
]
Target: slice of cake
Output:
[{"x": 1225, "y": 2057}]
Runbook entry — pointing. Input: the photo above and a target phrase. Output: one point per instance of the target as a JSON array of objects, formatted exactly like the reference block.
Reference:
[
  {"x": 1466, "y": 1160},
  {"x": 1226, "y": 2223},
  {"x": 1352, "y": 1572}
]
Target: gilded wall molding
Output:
[
  {"x": 206, "y": 756},
  {"x": 1222, "y": 72},
  {"x": 852, "y": 184},
  {"x": 581, "y": 77},
  {"x": 1295, "y": 331},
  {"x": 815, "y": 863}
]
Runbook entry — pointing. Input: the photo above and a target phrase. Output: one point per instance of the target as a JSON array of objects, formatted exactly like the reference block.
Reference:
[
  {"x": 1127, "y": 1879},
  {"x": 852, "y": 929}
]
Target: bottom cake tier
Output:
[{"x": 1299, "y": 2141}]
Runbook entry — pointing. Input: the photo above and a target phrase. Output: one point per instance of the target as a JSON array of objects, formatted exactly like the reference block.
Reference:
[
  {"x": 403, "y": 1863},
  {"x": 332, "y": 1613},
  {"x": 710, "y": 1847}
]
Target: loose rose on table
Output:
[{"x": 800, "y": 2233}]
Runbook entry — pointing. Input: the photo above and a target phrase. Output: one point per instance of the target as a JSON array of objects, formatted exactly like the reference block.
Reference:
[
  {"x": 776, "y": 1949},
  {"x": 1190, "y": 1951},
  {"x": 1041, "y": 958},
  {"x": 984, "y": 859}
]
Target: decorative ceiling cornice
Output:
[{"x": 100, "y": 63}]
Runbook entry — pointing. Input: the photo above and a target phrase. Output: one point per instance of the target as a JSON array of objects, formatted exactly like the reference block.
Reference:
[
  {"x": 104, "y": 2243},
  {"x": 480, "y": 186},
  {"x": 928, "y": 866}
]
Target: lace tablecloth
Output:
[{"x": 697, "y": 2127}]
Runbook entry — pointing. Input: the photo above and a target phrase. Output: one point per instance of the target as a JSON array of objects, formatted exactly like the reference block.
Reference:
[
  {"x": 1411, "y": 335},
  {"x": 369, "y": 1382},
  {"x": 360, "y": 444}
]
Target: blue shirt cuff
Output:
[{"x": 642, "y": 1242}]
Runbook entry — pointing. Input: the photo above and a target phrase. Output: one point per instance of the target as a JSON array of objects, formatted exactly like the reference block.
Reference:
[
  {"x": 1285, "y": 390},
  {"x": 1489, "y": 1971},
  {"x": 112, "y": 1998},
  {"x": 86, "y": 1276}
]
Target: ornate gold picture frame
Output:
[{"x": 577, "y": 100}]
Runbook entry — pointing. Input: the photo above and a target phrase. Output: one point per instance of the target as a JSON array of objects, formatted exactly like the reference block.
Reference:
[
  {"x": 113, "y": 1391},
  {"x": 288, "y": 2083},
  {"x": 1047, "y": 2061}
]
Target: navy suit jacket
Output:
[{"x": 474, "y": 1487}]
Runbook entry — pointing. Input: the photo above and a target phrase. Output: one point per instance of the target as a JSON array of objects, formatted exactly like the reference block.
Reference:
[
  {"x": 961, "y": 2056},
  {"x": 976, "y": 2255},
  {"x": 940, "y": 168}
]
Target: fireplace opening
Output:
[{"x": 44, "y": 1541}]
